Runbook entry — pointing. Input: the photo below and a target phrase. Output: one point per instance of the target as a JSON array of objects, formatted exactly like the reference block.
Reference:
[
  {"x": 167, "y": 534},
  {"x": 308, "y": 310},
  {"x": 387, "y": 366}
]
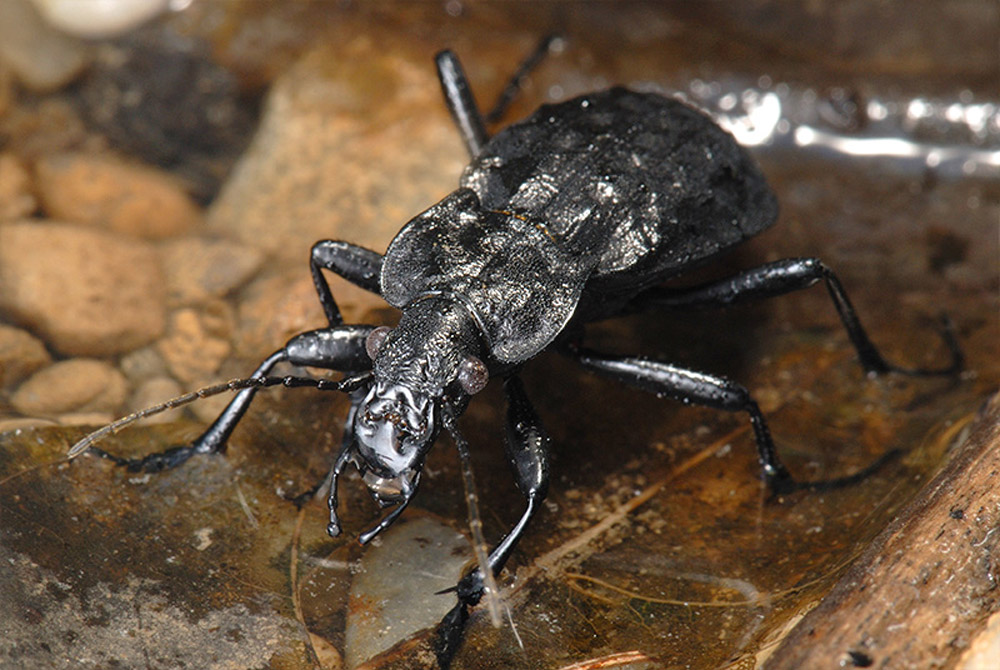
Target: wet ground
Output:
[{"x": 157, "y": 210}]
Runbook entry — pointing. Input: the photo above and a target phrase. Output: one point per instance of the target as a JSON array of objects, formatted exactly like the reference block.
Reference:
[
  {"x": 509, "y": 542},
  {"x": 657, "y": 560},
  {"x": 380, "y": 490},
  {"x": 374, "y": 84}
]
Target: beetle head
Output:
[
  {"x": 393, "y": 430},
  {"x": 423, "y": 367}
]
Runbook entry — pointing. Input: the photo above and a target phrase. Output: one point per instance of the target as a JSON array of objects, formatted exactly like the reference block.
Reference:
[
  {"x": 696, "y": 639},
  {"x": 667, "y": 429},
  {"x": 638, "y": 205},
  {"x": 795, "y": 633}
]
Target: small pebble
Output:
[
  {"x": 197, "y": 268},
  {"x": 21, "y": 354},
  {"x": 385, "y": 609},
  {"x": 16, "y": 199},
  {"x": 79, "y": 385},
  {"x": 84, "y": 291},
  {"x": 87, "y": 418},
  {"x": 274, "y": 309},
  {"x": 102, "y": 190},
  {"x": 197, "y": 342},
  {"x": 142, "y": 364},
  {"x": 99, "y": 19},
  {"x": 41, "y": 57}
]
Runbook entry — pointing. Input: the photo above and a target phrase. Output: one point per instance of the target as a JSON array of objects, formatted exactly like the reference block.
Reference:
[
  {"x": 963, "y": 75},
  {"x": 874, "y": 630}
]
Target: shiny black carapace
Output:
[{"x": 578, "y": 213}]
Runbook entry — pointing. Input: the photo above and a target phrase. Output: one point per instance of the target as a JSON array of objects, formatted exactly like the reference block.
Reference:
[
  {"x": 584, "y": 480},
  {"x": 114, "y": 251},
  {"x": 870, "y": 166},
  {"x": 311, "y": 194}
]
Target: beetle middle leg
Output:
[
  {"x": 784, "y": 276},
  {"x": 527, "y": 448}
]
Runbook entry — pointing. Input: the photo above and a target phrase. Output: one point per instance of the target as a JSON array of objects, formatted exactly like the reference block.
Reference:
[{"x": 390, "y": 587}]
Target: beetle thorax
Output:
[{"x": 426, "y": 351}]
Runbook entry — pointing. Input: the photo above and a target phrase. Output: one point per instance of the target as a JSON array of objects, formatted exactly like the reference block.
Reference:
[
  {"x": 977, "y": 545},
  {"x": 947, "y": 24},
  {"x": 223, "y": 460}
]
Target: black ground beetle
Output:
[{"x": 576, "y": 214}]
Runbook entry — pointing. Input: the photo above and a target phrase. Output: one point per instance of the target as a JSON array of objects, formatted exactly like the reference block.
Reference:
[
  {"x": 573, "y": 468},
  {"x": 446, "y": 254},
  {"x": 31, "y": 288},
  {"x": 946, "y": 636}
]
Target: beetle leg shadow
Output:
[{"x": 820, "y": 485}]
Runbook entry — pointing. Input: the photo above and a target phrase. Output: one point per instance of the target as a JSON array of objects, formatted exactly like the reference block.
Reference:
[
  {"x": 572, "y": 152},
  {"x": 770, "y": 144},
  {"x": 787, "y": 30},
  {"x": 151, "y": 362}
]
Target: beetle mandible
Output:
[{"x": 576, "y": 214}]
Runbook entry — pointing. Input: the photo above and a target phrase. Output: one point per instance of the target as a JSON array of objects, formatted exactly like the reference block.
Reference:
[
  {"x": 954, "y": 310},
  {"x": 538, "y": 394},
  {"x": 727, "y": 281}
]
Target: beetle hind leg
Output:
[
  {"x": 690, "y": 386},
  {"x": 793, "y": 274},
  {"x": 462, "y": 104}
]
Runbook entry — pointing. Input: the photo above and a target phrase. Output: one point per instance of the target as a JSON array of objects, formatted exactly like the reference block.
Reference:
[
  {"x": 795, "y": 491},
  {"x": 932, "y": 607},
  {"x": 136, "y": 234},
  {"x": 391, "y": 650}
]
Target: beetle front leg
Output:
[
  {"x": 785, "y": 276},
  {"x": 341, "y": 348},
  {"x": 527, "y": 447},
  {"x": 362, "y": 267}
]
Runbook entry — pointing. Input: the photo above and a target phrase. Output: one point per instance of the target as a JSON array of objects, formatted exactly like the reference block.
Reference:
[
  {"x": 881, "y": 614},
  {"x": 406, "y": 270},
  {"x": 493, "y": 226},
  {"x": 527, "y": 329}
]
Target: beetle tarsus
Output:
[{"x": 449, "y": 634}]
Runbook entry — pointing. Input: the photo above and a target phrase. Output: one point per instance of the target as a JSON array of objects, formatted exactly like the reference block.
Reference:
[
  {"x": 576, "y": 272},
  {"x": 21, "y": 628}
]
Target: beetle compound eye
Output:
[
  {"x": 375, "y": 339},
  {"x": 472, "y": 375}
]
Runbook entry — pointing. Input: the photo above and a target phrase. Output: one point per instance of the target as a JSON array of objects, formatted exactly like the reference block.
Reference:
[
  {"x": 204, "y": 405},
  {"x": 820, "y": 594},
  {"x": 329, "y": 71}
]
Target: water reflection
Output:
[{"x": 953, "y": 138}]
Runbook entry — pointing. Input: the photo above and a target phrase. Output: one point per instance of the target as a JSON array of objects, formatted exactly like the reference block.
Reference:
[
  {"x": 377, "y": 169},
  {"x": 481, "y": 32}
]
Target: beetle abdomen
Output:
[{"x": 646, "y": 183}]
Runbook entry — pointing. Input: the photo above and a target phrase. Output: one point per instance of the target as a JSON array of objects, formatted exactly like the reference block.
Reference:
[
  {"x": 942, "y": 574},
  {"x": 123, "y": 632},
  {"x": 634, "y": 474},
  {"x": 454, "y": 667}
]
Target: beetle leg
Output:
[
  {"x": 341, "y": 348},
  {"x": 785, "y": 276},
  {"x": 329, "y": 481},
  {"x": 362, "y": 267},
  {"x": 513, "y": 87},
  {"x": 461, "y": 103},
  {"x": 527, "y": 447},
  {"x": 689, "y": 386}
]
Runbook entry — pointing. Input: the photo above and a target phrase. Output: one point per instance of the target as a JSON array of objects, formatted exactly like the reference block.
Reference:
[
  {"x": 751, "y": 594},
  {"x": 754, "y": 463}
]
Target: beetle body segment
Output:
[{"x": 575, "y": 210}]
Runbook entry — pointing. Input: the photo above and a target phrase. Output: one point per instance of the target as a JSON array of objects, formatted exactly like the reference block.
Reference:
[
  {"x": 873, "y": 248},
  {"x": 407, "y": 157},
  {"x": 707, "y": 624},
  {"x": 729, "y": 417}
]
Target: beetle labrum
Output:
[{"x": 576, "y": 214}]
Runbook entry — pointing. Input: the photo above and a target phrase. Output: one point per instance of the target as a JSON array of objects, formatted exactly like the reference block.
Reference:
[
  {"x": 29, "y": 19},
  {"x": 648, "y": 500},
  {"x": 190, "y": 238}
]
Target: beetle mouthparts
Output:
[{"x": 389, "y": 490}]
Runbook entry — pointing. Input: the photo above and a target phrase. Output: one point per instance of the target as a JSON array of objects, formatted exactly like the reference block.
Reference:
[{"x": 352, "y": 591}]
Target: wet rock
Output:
[
  {"x": 23, "y": 423},
  {"x": 197, "y": 269},
  {"x": 85, "y": 292},
  {"x": 106, "y": 191},
  {"x": 384, "y": 608},
  {"x": 42, "y": 58},
  {"x": 16, "y": 199},
  {"x": 192, "y": 118},
  {"x": 21, "y": 354},
  {"x": 79, "y": 385},
  {"x": 197, "y": 341},
  {"x": 152, "y": 392},
  {"x": 354, "y": 142}
]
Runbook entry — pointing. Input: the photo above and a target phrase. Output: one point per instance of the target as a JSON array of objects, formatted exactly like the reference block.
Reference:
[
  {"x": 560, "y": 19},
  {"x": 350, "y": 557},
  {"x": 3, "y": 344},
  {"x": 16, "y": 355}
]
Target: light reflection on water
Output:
[{"x": 951, "y": 138}]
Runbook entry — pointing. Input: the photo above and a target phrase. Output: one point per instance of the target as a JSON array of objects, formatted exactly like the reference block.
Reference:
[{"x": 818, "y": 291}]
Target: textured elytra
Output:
[{"x": 600, "y": 196}]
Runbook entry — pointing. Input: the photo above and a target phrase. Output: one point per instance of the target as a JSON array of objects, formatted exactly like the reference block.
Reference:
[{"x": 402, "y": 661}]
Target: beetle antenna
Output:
[
  {"x": 475, "y": 521},
  {"x": 346, "y": 385}
]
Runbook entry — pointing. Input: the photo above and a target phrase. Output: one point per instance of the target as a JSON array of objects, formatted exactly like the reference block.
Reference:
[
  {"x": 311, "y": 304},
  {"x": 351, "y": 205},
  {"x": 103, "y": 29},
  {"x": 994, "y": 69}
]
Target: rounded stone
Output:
[
  {"x": 86, "y": 292},
  {"x": 197, "y": 341},
  {"x": 21, "y": 354},
  {"x": 79, "y": 385},
  {"x": 153, "y": 392},
  {"x": 16, "y": 199},
  {"x": 198, "y": 269},
  {"x": 102, "y": 190}
]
